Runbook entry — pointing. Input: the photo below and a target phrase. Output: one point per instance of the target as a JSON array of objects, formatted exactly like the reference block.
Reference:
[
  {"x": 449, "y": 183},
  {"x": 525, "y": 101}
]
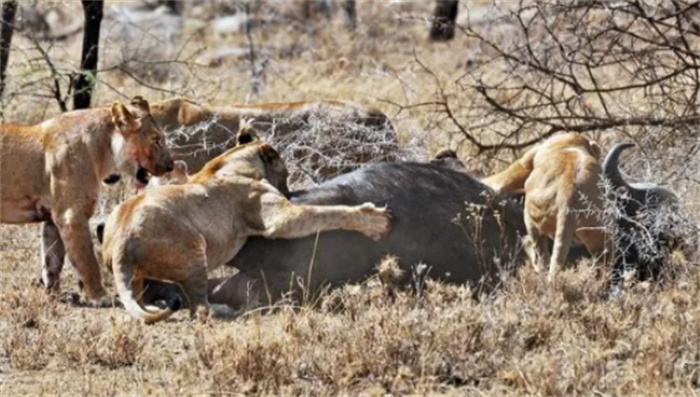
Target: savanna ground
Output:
[{"x": 527, "y": 338}]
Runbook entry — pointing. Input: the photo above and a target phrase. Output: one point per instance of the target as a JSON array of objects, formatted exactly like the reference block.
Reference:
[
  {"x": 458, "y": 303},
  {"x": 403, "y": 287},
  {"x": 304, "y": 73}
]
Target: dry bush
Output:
[
  {"x": 325, "y": 141},
  {"x": 327, "y": 145},
  {"x": 622, "y": 70}
]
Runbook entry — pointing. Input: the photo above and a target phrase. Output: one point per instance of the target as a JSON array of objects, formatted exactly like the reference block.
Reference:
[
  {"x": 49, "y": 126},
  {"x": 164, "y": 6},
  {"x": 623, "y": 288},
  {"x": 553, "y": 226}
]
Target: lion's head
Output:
[
  {"x": 273, "y": 167},
  {"x": 139, "y": 146}
]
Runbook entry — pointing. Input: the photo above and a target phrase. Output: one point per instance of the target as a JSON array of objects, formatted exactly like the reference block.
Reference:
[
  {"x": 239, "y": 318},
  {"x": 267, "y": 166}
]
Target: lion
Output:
[
  {"x": 178, "y": 232},
  {"x": 563, "y": 198},
  {"x": 51, "y": 173},
  {"x": 310, "y": 133}
]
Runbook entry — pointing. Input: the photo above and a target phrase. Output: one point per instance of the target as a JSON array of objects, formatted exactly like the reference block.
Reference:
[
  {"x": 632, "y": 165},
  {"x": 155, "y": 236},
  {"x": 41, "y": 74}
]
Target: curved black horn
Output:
[{"x": 611, "y": 166}]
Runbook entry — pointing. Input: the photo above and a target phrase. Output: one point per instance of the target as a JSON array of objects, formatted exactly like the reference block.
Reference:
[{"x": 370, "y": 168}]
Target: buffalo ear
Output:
[{"x": 125, "y": 122}]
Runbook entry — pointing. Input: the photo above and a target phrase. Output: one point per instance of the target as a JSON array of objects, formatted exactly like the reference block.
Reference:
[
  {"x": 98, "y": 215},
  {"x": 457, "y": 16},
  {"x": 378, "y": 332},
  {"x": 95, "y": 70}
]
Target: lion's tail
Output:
[
  {"x": 512, "y": 179},
  {"x": 123, "y": 277}
]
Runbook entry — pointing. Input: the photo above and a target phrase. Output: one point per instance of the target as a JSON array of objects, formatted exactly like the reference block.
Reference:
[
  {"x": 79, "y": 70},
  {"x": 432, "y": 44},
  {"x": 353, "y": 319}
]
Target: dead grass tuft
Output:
[{"x": 523, "y": 339}]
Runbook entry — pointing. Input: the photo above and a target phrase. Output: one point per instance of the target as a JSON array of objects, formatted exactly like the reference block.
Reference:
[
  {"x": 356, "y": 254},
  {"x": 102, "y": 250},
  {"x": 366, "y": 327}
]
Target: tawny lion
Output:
[
  {"x": 563, "y": 198},
  {"x": 212, "y": 130},
  {"x": 179, "y": 232},
  {"x": 51, "y": 173}
]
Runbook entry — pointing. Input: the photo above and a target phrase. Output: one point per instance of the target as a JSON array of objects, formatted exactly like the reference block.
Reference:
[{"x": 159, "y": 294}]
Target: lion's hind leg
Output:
[
  {"x": 537, "y": 247},
  {"x": 563, "y": 237},
  {"x": 53, "y": 253},
  {"x": 194, "y": 287}
]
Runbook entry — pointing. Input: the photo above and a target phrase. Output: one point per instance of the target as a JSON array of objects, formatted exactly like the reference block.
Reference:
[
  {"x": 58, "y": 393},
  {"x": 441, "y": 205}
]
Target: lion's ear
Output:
[
  {"x": 246, "y": 134},
  {"x": 123, "y": 119},
  {"x": 180, "y": 171},
  {"x": 141, "y": 103}
]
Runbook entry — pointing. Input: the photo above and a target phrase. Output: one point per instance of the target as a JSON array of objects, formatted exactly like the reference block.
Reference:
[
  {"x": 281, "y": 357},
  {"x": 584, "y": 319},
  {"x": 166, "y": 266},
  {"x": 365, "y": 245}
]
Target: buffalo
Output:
[{"x": 645, "y": 223}]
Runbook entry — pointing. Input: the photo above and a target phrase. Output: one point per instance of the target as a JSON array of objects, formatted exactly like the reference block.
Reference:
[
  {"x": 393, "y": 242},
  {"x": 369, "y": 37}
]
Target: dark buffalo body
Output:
[{"x": 440, "y": 217}]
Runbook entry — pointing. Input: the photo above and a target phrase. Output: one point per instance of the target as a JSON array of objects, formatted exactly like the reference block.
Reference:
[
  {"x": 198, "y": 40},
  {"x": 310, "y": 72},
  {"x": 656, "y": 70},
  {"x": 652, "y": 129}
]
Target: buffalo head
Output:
[{"x": 647, "y": 221}]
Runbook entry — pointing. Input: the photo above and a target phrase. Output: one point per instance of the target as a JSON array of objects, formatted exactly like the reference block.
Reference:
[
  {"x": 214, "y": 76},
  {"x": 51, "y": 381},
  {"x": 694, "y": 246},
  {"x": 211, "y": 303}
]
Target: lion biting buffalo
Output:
[{"x": 566, "y": 198}]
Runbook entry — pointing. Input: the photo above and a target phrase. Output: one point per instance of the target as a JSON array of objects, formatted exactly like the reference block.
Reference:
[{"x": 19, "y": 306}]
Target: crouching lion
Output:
[{"x": 178, "y": 232}]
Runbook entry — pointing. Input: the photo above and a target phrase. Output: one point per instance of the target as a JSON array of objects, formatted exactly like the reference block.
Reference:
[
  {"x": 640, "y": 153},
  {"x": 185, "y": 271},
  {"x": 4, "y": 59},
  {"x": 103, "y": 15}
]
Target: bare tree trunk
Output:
[
  {"x": 9, "y": 10},
  {"x": 83, "y": 85},
  {"x": 351, "y": 14},
  {"x": 445, "y": 16},
  {"x": 255, "y": 72}
]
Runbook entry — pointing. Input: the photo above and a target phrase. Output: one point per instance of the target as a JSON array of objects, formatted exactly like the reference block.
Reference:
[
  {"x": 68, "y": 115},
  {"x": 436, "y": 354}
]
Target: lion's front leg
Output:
[
  {"x": 74, "y": 229},
  {"x": 283, "y": 219}
]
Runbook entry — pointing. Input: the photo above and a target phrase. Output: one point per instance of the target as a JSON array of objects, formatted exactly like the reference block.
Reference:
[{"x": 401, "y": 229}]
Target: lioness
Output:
[
  {"x": 51, "y": 173},
  {"x": 563, "y": 198},
  {"x": 178, "y": 232},
  {"x": 323, "y": 137}
]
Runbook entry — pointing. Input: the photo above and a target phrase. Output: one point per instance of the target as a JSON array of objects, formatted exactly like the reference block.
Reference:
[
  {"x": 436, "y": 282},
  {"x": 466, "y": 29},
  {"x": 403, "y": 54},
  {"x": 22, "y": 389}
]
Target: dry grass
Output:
[{"x": 525, "y": 339}]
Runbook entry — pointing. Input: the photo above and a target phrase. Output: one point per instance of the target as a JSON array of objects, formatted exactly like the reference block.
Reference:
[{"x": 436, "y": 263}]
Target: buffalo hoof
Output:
[
  {"x": 174, "y": 303},
  {"x": 222, "y": 312}
]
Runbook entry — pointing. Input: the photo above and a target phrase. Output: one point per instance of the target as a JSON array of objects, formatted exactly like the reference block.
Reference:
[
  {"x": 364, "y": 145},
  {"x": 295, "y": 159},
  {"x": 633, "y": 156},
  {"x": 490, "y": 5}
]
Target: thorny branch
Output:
[
  {"x": 50, "y": 76},
  {"x": 541, "y": 67}
]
